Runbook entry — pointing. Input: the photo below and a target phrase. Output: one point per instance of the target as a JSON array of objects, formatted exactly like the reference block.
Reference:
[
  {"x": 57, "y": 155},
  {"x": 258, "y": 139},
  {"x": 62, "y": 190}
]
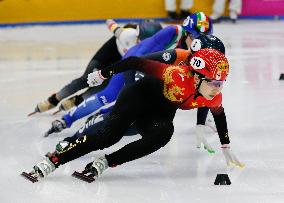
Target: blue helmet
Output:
[
  {"x": 148, "y": 28},
  {"x": 198, "y": 23}
]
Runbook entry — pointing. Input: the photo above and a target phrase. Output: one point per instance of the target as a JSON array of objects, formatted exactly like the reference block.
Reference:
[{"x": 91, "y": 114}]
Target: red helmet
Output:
[{"x": 210, "y": 63}]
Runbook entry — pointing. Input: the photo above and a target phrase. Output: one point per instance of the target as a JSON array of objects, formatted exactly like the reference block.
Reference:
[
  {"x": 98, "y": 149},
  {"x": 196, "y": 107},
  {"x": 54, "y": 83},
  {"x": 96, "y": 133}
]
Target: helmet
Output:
[
  {"x": 147, "y": 28},
  {"x": 198, "y": 23},
  {"x": 126, "y": 40},
  {"x": 207, "y": 41},
  {"x": 210, "y": 63}
]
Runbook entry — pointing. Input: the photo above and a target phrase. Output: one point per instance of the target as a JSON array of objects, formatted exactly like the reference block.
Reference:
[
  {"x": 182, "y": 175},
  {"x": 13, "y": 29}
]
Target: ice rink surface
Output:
[{"x": 37, "y": 61}]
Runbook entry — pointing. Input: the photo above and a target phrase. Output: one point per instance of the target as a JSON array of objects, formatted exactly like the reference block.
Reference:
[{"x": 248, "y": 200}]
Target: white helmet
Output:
[{"x": 126, "y": 39}]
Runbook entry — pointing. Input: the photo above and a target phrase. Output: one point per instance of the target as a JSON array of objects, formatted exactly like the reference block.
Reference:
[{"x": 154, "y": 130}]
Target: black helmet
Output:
[
  {"x": 147, "y": 28},
  {"x": 207, "y": 41}
]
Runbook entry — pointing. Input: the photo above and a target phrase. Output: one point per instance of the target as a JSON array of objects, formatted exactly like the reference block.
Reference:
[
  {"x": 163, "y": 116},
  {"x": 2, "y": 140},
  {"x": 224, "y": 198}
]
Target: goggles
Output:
[{"x": 214, "y": 83}]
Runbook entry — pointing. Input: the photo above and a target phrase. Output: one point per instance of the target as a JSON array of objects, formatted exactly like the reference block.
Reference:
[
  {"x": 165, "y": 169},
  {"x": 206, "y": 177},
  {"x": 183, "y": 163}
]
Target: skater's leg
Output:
[
  {"x": 130, "y": 105},
  {"x": 78, "y": 83},
  {"x": 155, "y": 133},
  {"x": 134, "y": 102},
  {"x": 76, "y": 100},
  {"x": 97, "y": 101},
  {"x": 106, "y": 55}
]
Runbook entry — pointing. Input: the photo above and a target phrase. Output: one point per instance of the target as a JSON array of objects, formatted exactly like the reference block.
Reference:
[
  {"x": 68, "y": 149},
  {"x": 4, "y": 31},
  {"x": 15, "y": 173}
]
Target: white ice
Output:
[{"x": 37, "y": 61}]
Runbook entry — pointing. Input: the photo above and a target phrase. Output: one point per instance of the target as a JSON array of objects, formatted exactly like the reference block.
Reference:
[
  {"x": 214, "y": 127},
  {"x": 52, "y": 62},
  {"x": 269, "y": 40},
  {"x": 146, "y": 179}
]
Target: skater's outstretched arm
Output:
[
  {"x": 153, "y": 63},
  {"x": 221, "y": 124}
]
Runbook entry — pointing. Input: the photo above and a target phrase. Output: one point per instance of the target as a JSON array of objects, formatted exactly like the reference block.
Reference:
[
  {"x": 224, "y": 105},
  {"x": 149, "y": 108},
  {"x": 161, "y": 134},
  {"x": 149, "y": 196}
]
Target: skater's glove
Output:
[
  {"x": 230, "y": 157},
  {"x": 201, "y": 140},
  {"x": 95, "y": 78}
]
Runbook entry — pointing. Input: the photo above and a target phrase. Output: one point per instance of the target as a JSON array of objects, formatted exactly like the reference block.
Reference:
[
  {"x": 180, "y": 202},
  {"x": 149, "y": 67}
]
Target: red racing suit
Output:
[{"x": 179, "y": 87}]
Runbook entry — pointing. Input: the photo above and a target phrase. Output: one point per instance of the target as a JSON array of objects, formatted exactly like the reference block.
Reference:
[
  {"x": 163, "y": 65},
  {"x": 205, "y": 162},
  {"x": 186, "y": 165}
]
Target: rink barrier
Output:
[
  {"x": 33, "y": 11},
  {"x": 80, "y": 22},
  {"x": 123, "y": 20},
  {"x": 54, "y": 12}
]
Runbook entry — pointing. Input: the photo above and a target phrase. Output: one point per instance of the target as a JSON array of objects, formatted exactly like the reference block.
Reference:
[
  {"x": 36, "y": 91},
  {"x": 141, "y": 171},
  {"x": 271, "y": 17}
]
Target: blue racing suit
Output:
[{"x": 168, "y": 38}]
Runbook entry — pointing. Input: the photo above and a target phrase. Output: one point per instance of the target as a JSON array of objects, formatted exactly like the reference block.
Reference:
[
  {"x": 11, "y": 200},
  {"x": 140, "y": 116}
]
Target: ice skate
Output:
[
  {"x": 40, "y": 170},
  {"x": 31, "y": 176},
  {"x": 56, "y": 127},
  {"x": 92, "y": 170},
  {"x": 46, "y": 105},
  {"x": 42, "y": 107},
  {"x": 69, "y": 103}
]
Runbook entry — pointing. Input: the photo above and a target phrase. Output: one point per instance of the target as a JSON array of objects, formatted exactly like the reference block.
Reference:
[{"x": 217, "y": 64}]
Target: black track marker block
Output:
[{"x": 222, "y": 179}]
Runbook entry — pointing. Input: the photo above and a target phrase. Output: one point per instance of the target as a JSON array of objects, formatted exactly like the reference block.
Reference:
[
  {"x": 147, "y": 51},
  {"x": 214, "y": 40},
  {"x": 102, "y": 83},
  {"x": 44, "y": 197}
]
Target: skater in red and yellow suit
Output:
[{"x": 151, "y": 104}]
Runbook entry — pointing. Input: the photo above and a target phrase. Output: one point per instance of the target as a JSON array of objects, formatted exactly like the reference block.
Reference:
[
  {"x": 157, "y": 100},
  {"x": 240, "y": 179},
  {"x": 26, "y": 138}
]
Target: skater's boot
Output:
[
  {"x": 92, "y": 170},
  {"x": 48, "y": 104},
  {"x": 71, "y": 102},
  {"x": 44, "y": 168},
  {"x": 97, "y": 166},
  {"x": 56, "y": 127}
]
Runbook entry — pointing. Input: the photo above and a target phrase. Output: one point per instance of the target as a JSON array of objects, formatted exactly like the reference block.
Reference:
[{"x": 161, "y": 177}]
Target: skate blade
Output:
[
  {"x": 30, "y": 114},
  {"x": 87, "y": 178},
  {"x": 50, "y": 131},
  {"x": 46, "y": 134},
  {"x": 56, "y": 112},
  {"x": 29, "y": 177}
]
